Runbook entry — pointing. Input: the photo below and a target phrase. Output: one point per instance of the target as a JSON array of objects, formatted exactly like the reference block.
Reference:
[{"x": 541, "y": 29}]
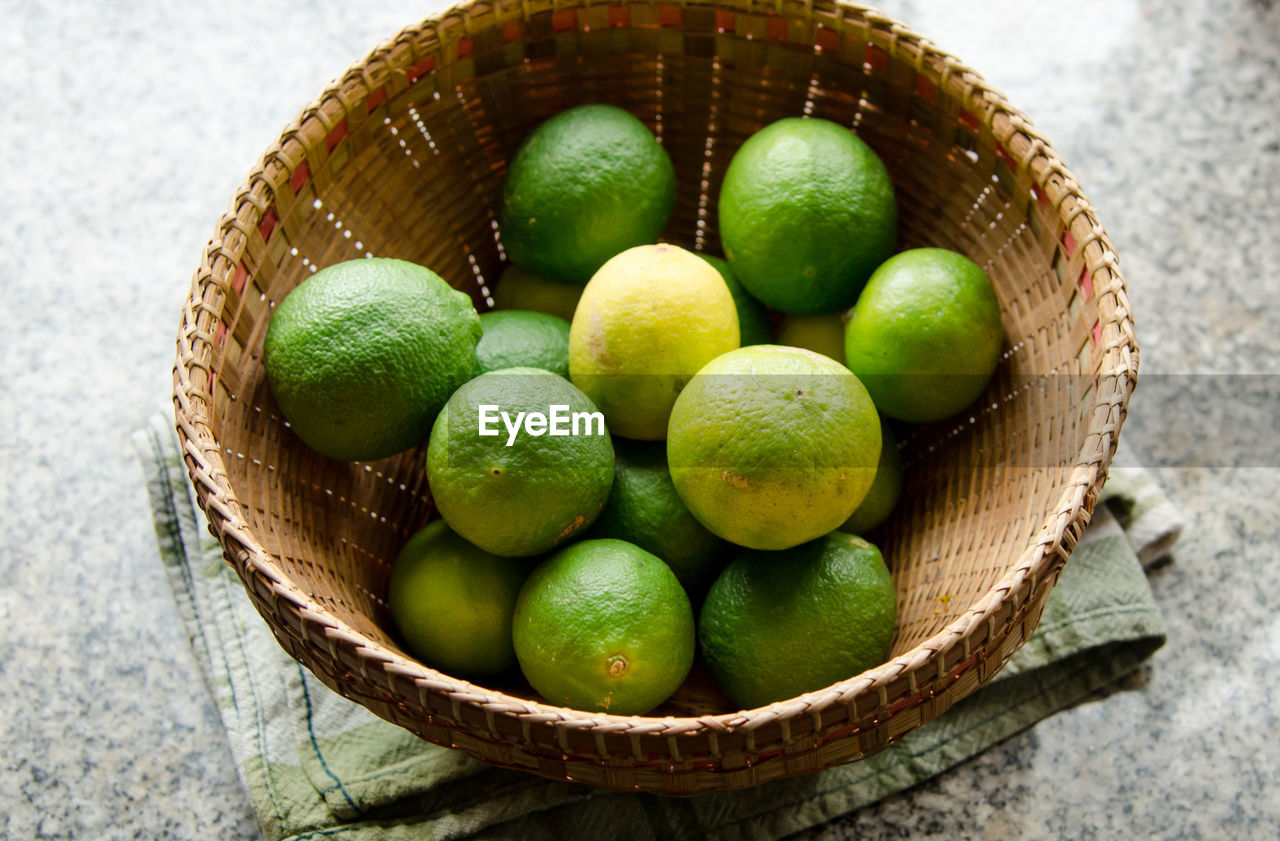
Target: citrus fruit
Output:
[
  {"x": 807, "y": 211},
  {"x": 647, "y": 321},
  {"x": 604, "y": 626},
  {"x": 508, "y": 482},
  {"x": 773, "y": 446},
  {"x": 644, "y": 509},
  {"x": 925, "y": 334},
  {"x": 521, "y": 289},
  {"x": 361, "y": 356},
  {"x": 822, "y": 334},
  {"x": 584, "y": 185},
  {"x": 779, "y": 624},
  {"x": 882, "y": 497},
  {"x": 452, "y": 602},
  {"x": 753, "y": 319},
  {"x": 523, "y": 339}
]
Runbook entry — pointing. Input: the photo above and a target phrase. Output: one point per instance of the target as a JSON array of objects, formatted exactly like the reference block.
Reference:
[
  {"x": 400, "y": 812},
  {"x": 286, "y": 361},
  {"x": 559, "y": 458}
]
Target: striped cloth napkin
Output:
[{"x": 316, "y": 765}]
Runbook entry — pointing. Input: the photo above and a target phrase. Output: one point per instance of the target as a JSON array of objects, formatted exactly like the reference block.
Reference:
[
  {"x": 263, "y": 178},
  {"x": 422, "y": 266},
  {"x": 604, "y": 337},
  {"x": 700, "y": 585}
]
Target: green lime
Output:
[
  {"x": 604, "y": 626},
  {"x": 648, "y": 320},
  {"x": 822, "y": 334},
  {"x": 773, "y": 446},
  {"x": 519, "y": 461},
  {"x": 361, "y": 356},
  {"x": 882, "y": 497},
  {"x": 521, "y": 289},
  {"x": 776, "y": 625},
  {"x": 925, "y": 335},
  {"x": 807, "y": 211},
  {"x": 753, "y": 318},
  {"x": 644, "y": 509},
  {"x": 521, "y": 339},
  {"x": 452, "y": 602},
  {"x": 585, "y": 185}
]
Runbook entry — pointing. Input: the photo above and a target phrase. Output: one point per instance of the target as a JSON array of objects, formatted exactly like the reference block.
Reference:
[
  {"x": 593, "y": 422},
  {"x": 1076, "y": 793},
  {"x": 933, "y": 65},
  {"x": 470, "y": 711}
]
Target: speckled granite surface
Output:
[{"x": 124, "y": 136}]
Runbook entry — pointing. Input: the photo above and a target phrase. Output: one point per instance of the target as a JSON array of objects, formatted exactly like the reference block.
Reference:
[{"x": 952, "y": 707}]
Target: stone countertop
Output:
[{"x": 125, "y": 135}]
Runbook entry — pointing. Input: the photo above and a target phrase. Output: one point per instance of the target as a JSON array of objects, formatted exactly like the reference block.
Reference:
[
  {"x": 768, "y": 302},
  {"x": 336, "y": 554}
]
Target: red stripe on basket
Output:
[
  {"x": 725, "y": 20},
  {"x": 416, "y": 71},
  {"x": 564, "y": 19},
  {"x": 926, "y": 89},
  {"x": 619, "y": 15},
  {"x": 1003, "y": 154},
  {"x": 876, "y": 58},
  {"x": 238, "y": 279},
  {"x": 1041, "y": 198},
  {"x": 902, "y": 703},
  {"x": 1068, "y": 242},
  {"x": 375, "y": 98},
  {"x": 828, "y": 39},
  {"x": 766, "y": 755},
  {"x": 776, "y": 29},
  {"x": 511, "y": 31},
  {"x": 965, "y": 666},
  {"x": 1097, "y": 334},
  {"x": 465, "y": 46},
  {"x": 220, "y": 334},
  {"x": 300, "y": 176},
  {"x": 968, "y": 120},
  {"x": 840, "y": 733},
  {"x": 1086, "y": 283},
  {"x": 335, "y": 136},
  {"x": 268, "y": 223},
  {"x": 670, "y": 16}
]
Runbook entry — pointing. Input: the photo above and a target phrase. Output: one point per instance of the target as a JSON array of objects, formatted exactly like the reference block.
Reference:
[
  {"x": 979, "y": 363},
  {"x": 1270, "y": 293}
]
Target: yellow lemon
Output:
[
  {"x": 647, "y": 321},
  {"x": 822, "y": 334}
]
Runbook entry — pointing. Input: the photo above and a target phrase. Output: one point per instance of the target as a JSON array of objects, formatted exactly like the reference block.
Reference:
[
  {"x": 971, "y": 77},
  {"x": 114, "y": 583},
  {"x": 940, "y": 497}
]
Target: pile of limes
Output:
[{"x": 645, "y": 454}]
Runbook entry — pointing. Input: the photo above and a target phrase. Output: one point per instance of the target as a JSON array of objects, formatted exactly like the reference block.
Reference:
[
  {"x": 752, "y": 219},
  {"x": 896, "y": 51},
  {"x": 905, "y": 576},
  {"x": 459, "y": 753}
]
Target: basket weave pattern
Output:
[{"x": 404, "y": 156}]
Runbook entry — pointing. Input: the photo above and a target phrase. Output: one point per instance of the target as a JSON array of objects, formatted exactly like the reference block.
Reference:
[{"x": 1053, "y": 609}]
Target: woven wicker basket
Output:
[{"x": 404, "y": 157}]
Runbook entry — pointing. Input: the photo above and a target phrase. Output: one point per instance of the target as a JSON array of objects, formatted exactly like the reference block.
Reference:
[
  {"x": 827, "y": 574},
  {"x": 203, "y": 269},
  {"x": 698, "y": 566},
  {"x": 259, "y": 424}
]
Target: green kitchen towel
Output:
[{"x": 316, "y": 765}]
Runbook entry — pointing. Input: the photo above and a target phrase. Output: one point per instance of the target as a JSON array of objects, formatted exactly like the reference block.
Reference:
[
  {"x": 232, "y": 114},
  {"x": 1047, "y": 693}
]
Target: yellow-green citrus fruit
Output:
[
  {"x": 773, "y": 446},
  {"x": 776, "y": 625},
  {"x": 521, "y": 289},
  {"x": 588, "y": 183},
  {"x": 822, "y": 334},
  {"x": 807, "y": 211},
  {"x": 882, "y": 497},
  {"x": 925, "y": 335},
  {"x": 648, "y": 320},
  {"x": 452, "y": 602},
  {"x": 510, "y": 483},
  {"x": 522, "y": 339},
  {"x": 753, "y": 317},
  {"x": 604, "y": 626},
  {"x": 361, "y": 356},
  {"x": 644, "y": 509}
]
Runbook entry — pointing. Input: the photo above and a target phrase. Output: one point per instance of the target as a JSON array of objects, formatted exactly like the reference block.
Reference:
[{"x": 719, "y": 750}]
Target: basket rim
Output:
[{"x": 1037, "y": 563}]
